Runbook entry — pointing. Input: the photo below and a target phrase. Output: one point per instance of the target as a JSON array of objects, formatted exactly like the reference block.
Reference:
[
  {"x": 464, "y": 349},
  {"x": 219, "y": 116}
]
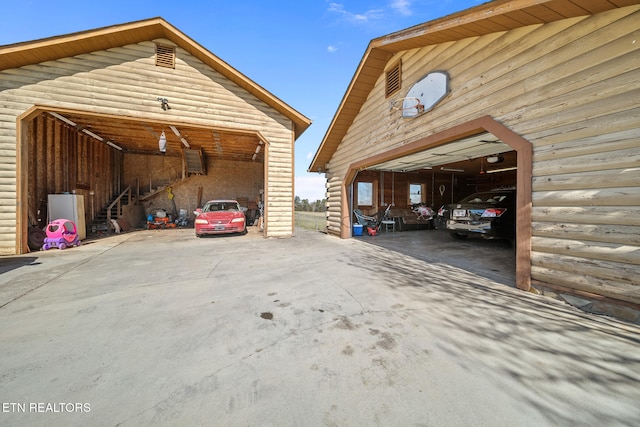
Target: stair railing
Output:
[{"x": 117, "y": 203}]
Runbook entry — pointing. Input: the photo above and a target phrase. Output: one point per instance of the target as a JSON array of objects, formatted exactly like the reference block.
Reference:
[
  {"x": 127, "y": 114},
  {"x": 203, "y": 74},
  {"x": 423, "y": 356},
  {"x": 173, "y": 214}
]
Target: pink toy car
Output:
[{"x": 61, "y": 233}]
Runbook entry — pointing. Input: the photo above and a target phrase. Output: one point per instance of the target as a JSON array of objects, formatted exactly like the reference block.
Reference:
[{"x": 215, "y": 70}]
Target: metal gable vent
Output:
[
  {"x": 393, "y": 79},
  {"x": 165, "y": 56}
]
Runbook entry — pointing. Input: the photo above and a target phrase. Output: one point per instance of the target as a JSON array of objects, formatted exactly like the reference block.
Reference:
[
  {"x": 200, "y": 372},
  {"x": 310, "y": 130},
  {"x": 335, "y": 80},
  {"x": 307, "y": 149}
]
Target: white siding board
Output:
[
  {"x": 620, "y": 234},
  {"x": 629, "y": 177},
  {"x": 623, "y": 139},
  {"x": 571, "y": 279},
  {"x": 613, "y": 215},
  {"x": 604, "y": 270},
  {"x": 623, "y": 196},
  {"x": 594, "y": 127},
  {"x": 628, "y": 254},
  {"x": 629, "y": 158}
]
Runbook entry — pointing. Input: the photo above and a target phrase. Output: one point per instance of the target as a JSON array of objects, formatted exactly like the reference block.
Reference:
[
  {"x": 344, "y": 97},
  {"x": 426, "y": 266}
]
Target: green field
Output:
[{"x": 311, "y": 220}]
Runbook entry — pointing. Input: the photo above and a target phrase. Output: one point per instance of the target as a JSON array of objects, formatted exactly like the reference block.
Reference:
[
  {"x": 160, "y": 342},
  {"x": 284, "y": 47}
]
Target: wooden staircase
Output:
[
  {"x": 131, "y": 195},
  {"x": 101, "y": 223}
]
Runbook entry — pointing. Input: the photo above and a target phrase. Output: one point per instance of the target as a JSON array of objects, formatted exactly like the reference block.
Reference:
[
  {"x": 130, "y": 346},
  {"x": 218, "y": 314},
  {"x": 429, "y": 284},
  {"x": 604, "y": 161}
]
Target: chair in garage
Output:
[
  {"x": 365, "y": 220},
  {"x": 387, "y": 221},
  {"x": 423, "y": 211}
]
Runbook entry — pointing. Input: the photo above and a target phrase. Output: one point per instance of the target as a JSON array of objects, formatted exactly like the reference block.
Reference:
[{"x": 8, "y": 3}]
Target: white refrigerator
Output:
[{"x": 71, "y": 207}]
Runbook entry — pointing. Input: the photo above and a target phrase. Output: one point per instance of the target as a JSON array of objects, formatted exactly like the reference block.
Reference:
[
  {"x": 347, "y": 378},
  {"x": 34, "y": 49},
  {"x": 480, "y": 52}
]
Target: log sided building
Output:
[
  {"x": 135, "y": 118},
  {"x": 550, "y": 89}
]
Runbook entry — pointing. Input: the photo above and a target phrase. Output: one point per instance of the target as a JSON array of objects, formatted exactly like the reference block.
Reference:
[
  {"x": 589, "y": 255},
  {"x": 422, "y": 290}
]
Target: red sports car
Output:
[{"x": 220, "y": 217}]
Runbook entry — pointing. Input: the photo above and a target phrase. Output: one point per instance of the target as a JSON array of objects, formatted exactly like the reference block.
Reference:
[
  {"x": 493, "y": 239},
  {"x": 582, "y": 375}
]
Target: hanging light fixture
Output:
[{"x": 162, "y": 143}]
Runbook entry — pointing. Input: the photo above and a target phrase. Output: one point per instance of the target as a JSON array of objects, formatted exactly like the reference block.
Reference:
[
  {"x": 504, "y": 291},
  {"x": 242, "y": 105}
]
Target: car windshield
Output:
[
  {"x": 221, "y": 206},
  {"x": 485, "y": 198}
]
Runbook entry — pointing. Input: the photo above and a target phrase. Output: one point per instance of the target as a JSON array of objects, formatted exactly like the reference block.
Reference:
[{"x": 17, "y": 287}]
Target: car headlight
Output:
[
  {"x": 237, "y": 220},
  {"x": 201, "y": 221}
]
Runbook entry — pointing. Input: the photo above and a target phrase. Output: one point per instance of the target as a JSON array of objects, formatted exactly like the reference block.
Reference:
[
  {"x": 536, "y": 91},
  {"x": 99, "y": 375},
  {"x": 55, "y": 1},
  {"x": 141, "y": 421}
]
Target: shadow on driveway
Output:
[{"x": 573, "y": 367}]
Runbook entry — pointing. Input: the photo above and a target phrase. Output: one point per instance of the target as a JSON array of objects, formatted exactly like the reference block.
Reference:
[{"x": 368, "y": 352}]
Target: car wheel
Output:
[
  {"x": 198, "y": 235},
  {"x": 36, "y": 238},
  {"x": 458, "y": 236}
]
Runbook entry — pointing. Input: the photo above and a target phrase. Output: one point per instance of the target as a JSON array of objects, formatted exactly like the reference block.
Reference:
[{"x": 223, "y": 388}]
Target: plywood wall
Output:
[
  {"x": 63, "y": 160},
  {"x": 225, "y": 179}
]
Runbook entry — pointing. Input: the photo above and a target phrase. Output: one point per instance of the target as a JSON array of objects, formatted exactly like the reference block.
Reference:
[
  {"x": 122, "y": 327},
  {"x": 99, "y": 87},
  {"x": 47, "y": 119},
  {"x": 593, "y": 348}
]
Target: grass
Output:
[{"x": 311, "y": 220}]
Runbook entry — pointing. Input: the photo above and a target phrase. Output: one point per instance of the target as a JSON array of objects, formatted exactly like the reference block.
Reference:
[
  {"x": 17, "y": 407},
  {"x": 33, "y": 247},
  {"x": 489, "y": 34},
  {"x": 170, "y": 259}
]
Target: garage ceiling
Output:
[
  {"x": 141, "y": 137},
  {"x": 464, "y": 154}
]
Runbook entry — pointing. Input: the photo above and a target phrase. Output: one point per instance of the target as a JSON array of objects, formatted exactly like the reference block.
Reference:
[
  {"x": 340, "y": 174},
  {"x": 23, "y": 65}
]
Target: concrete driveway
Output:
[{"x": 160, "y": 328}]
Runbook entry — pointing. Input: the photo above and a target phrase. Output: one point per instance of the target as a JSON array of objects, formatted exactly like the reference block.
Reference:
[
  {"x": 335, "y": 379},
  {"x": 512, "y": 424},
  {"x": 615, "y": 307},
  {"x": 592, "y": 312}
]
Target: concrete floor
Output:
[
  {"x": 160, "y": 328},
  {"x": 493, "y": 259}
]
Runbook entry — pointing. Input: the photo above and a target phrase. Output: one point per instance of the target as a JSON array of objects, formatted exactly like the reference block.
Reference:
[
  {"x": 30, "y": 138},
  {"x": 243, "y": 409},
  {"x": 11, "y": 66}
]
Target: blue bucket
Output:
[{"x": 357, "y": 229}]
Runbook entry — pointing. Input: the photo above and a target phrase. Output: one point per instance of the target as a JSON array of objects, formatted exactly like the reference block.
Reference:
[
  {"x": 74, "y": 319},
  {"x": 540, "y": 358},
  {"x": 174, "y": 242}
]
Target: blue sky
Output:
[{"x": 305, "y": 52}]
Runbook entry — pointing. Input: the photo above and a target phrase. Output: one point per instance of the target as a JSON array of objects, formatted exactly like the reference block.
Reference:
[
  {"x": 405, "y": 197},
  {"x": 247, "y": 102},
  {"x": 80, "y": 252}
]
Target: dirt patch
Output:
[{"x": 345, "y": 323}]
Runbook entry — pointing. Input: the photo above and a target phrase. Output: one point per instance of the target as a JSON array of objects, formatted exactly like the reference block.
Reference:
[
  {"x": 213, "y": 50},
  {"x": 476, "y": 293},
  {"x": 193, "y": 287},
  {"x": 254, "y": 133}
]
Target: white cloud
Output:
[
  {"x": 403, "y": 7},
  {"x": 369, "y": 15},
  {"x": 331, "y": 48},
  {"x": 310, "y": 186}
]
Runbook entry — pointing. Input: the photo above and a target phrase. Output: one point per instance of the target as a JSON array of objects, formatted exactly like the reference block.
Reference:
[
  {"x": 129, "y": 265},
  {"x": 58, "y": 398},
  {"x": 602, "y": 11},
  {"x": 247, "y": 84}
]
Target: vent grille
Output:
[
  {"x": 394, "y": 79},
  {"x": 165, "y": 56}
]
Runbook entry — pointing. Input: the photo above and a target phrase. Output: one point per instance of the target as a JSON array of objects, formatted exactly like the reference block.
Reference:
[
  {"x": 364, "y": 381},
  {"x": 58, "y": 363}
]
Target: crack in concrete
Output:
[{"x": 79, "y": 264}]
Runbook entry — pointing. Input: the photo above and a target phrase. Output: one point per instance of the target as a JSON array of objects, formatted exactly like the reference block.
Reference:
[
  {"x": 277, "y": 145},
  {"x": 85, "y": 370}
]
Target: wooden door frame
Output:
[
  {"x": 482, "y": 124},
  {"x": 22, "y": 174}
]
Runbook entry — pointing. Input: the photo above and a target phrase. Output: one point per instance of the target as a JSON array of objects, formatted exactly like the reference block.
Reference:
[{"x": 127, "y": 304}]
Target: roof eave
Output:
[
  {"x": 372, "y": 59},
  {"x": 53, "y": 48},
  {"x": 434, "y": 32}
]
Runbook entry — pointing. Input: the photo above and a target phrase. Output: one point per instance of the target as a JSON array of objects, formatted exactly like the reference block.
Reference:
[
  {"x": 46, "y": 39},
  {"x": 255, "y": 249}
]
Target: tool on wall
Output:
[{"x": 170, "y": 196}]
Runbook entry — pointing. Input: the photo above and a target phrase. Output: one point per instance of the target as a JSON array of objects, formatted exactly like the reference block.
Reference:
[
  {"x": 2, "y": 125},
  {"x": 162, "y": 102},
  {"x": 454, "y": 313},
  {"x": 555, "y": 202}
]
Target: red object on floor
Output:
[{"x": 372, "y": 231}]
